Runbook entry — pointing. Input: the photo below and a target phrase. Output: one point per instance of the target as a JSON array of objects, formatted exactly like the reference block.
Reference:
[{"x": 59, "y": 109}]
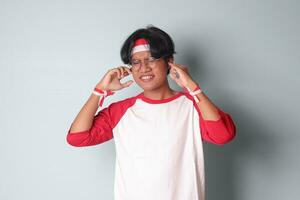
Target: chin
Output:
[
  {"x": 150, "y": 87},
  {"x": 147, "y": 87}
]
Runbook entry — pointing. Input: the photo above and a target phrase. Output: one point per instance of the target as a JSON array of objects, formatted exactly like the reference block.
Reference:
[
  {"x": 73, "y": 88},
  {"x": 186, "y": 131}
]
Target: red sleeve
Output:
[
  {"x": 100, "y": 131},
  {"x": 217, "y": 132}
]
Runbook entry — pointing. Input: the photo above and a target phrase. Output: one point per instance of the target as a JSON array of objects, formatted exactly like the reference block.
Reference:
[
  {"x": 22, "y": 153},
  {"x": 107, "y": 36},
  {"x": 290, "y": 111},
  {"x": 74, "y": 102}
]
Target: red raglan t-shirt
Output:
[{"x": 159, "y": 152}]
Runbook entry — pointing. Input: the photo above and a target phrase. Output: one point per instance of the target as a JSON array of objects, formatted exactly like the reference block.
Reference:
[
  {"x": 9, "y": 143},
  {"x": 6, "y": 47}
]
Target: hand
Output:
[
  {"x": 111, "y": 80},
  {"x": 180, "y": 74}
]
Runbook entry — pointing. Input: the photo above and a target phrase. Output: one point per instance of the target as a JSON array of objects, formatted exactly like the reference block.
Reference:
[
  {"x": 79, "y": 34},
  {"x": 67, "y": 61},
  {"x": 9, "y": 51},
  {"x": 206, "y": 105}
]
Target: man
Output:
[{"x": 158, "y": 133}]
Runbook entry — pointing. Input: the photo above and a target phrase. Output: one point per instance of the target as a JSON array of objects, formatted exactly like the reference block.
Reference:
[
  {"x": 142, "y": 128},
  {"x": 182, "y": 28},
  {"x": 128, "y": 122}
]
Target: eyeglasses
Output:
[{"x": 136, "y": 64}]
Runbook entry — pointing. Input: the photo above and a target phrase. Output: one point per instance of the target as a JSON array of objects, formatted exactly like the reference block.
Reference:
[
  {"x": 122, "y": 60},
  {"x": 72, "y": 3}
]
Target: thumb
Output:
[{"x": 127, "y": 83}]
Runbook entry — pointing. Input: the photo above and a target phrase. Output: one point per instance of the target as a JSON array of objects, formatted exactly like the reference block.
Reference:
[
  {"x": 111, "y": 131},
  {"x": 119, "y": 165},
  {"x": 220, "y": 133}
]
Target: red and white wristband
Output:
[
  {"x": 102, "y": 94},
  {"x": 194, "y": 92}
]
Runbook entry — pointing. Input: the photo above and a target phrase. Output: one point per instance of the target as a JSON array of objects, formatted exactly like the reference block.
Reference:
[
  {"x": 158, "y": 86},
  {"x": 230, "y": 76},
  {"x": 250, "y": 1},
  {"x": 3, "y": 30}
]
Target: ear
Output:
[{"x": 170, "y": 60}]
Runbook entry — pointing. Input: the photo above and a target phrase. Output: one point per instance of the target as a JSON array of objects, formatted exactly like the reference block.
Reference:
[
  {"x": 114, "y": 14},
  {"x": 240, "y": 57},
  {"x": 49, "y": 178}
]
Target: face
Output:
[{"x": 157, "y": 70}]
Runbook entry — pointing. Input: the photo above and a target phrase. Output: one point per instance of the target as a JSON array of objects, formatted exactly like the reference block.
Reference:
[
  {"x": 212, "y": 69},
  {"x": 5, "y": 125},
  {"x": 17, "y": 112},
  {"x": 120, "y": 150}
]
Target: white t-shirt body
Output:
[{"x": 159, "y": 152}]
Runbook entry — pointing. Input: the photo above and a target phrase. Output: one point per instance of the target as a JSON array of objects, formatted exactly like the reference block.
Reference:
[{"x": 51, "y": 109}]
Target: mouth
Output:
[{"x": 147, "y": 78}]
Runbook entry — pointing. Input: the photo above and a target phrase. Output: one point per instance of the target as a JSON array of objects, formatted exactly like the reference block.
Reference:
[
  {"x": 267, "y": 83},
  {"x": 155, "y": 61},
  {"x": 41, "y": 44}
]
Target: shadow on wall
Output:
[{"x": 224, "y": 165}]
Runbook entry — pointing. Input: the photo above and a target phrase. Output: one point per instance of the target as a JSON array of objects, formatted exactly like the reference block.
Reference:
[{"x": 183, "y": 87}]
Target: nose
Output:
[{"x": 145, "y": 66}]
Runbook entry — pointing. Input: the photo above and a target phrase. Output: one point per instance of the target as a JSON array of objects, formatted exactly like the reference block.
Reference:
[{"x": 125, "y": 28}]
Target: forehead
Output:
[{"x": 141, "y": 55}]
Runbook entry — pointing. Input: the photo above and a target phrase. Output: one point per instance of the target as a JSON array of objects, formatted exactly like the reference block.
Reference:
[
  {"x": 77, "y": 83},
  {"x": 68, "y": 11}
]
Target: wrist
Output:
[
  {"x": 101, "y": 91},
  {"x": 101, "y": 86},
  {"x": 191, "y": 85}
]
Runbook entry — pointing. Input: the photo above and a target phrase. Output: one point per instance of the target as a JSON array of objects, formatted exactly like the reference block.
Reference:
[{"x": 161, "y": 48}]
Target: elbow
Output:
[
  {"x": 76, "y": 139},
  {"x": 70, "y": 140},
  {"x": 227, "y": 132},
  {"x": 221, "y": 134},
  {"x": 226, "y": 138},
  {"x": 90, "y": 137}
]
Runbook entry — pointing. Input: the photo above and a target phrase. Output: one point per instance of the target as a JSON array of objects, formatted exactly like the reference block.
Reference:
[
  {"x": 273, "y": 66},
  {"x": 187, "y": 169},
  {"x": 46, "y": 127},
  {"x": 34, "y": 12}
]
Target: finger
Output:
[
  {"x": 177, "y": 66},
  {"x": 128, "y": 69},
  {"x": 119, "y": 73},
  {"x": 122, "y": 71},
  {"x": 173, "y": 70},
  {"x": 174, "y": 73},
  {"x": 172, "y": 76},
  {"x": 171, "y": 64},
  {"x": 179, "y": 69},
  {"x": 127, "y": 83},
  {"x": 126, "y": 66},
  {"x": 125, "y": 71},
  {"x": 185, "y": 68},
  {"x": 177, "y": 75},
  {"x": 174, "y": 66},
  {"x": 116, "y": 70}
]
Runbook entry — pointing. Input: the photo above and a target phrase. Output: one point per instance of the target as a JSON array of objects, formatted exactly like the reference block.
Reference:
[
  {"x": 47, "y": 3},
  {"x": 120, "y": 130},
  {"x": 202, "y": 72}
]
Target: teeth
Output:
[{"x": 146, "y": 77}]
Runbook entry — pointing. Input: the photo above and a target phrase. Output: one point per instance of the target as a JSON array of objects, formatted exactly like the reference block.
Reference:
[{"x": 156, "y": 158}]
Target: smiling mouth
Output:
[{"x": 147, "y": 78}]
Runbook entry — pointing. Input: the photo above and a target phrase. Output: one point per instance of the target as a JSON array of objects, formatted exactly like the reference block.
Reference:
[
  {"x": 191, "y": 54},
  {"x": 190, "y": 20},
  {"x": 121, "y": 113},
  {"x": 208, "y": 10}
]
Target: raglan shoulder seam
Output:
[{"x": 117, "y": 109}]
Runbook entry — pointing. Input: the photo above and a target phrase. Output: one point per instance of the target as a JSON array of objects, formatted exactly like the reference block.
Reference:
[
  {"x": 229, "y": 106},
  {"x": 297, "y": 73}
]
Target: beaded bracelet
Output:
[
  {"x": 194, "y": 92},
  {"x": 102, "y": 94}
]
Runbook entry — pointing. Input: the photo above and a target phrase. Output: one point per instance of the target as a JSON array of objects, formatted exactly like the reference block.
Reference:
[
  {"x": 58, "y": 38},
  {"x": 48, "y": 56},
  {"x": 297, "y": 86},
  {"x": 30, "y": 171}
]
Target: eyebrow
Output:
[{"x": 139, "y": 58}]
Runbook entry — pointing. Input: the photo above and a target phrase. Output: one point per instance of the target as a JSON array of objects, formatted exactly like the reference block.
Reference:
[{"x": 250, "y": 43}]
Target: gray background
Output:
[{"x": 244, "y": 54}]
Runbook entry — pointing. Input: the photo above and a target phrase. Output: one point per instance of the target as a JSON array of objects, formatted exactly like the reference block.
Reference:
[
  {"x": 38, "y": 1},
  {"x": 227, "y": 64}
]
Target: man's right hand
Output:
[{"x": 111, "y": 80}]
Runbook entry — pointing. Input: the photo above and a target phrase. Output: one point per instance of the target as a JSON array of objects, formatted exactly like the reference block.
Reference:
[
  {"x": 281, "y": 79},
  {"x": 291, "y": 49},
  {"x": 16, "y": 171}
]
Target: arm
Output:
[
  {"x": 84, "y": 119},
  {"x": 88, "y": 129},
  {"x": 217, "y": 127}
]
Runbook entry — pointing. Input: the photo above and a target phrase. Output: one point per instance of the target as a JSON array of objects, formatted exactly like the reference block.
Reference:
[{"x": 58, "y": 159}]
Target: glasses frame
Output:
[{"x": 137, "y": 66}]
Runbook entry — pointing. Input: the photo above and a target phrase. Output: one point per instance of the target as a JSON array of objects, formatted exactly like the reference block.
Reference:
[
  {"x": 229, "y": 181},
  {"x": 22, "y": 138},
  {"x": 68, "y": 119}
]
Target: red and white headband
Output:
[{"x": 140, "y": 45}]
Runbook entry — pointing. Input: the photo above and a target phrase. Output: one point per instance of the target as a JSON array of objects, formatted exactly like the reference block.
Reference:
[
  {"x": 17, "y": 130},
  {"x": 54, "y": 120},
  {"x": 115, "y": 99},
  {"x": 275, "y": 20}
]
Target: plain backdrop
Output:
[{"x": 244, "y": 54}]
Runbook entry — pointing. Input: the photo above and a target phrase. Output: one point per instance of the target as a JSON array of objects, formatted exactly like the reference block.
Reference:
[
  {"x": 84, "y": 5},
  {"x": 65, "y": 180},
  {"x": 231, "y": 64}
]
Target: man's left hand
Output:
[{"x": 180, "y": 74}]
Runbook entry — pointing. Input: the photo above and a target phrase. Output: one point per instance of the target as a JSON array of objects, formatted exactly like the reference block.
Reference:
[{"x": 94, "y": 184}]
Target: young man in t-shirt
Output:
[{"x": 158, "y": 133}]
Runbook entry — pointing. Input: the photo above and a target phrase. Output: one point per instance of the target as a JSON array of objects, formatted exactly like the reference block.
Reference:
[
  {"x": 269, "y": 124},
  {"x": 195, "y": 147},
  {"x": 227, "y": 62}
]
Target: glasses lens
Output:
[{"x": 135, "y": 66}]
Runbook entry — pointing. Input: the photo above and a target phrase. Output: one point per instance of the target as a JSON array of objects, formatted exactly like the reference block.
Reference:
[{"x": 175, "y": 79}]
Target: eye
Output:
[
  {"x": 134, "y": 62},
  {"x": 151, "y": 59}
]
